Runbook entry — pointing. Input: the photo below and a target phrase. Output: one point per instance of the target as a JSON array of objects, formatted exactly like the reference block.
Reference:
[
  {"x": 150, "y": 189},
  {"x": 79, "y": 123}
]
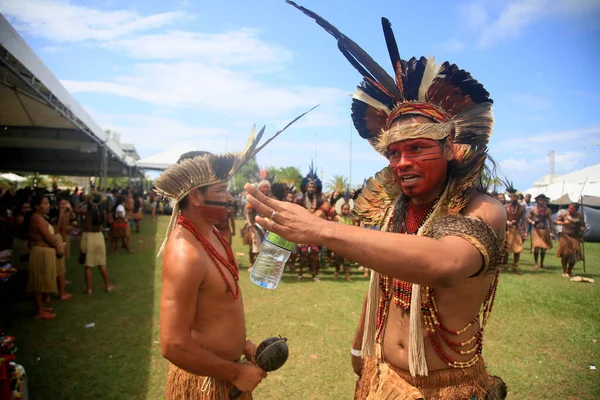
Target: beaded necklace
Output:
[
  {"x": 215, "y": 256},
  {"x": 400, "y": 292}
]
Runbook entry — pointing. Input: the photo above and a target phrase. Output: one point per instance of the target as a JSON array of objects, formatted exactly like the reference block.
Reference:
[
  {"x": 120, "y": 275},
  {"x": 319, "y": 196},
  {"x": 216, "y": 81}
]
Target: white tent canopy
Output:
[
  {"x": 565, "y": 193},
  {"x": 42, "y": 127},
  {"x": 164, "y": 160},
  {"x": 590, "y": 174},
  {"x": 13, "y": 177}
]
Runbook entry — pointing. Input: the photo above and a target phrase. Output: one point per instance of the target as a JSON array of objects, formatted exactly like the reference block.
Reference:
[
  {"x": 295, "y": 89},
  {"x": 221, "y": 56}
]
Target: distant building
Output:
[{"x": 130, "y": 151}]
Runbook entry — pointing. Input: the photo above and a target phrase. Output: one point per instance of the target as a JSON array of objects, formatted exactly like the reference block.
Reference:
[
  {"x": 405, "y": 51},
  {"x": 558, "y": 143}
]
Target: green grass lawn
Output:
[{"x": 541, "y": 338}]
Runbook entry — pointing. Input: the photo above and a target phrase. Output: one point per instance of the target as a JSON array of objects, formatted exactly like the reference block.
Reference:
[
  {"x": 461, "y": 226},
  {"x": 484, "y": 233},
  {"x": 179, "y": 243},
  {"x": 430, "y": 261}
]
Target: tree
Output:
[
  {"x": 61, "y": 181},
  {"x": 338, "y": 182},
  {"x": 248, "y": 173},
  {"x": 36, "y": 180},
  {"x": 290, "y": 176}
]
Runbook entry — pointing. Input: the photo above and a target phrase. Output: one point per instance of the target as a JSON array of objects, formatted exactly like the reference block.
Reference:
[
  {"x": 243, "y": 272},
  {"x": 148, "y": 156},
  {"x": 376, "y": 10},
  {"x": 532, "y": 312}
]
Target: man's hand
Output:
[
  {"x": 248, "y": 377},
  {"x": 293, "y": 222},
  {"x": 249, "y": 351}
]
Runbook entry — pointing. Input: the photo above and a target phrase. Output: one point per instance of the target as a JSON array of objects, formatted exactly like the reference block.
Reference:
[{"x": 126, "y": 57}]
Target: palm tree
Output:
[
  {"x": 338, "y": 182},
  {"x": 289, "y": 175}
]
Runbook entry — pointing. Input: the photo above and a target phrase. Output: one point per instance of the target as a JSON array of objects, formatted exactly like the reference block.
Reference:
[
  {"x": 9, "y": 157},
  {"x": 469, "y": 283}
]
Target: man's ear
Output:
[{"x": 196, "y": 198}]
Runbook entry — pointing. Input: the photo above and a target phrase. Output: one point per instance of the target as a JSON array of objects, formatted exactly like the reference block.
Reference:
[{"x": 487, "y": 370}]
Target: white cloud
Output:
[
  {"x": 149, "y": 133},
  {"x": 531, "y": 101},
  {"x": 62, "y": 21},
  {"x": 235, "y": 48},
  {"x": 518, "y": 15},
  {"x": 474, "y": 14},
  {"x": 453, "y": 45},
  {"x": 547, "y": 140},
  {"x": 513, "y": 164},
  {"x": 52, "y": 49},
  {"x": 206, "y": 87}
]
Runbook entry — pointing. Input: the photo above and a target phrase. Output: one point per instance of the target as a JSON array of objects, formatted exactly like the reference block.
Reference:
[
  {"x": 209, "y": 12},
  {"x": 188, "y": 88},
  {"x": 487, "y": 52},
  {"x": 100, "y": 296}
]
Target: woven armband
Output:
[{"x": 475, "y": 231}]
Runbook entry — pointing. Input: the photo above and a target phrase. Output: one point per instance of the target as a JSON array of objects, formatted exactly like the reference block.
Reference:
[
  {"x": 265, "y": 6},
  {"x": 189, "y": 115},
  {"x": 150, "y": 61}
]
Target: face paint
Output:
[
  {"x": 419, "y": 166},
  {"x": 215, "y": 213},
  {"x": 311, "y": 188}
]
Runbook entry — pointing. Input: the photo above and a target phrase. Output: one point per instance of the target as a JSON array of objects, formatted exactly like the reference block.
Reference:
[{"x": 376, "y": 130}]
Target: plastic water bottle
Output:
[{"x": 270, "y": 263}]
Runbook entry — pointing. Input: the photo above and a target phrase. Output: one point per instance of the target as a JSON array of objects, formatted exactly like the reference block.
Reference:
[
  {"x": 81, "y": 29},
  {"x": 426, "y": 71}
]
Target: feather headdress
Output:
[
  {"x": 444, "y": 93},
  {"x": 208, "y": 169},
  {"x": 343, "y": 200},
  {"x": 510, "y": 188},
  {"x": 311, "y": 177}
]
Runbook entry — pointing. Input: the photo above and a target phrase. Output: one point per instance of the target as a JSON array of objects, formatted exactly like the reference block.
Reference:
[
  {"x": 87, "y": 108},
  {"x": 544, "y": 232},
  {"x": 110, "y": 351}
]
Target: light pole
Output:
[{"x": 316, "y": 149}]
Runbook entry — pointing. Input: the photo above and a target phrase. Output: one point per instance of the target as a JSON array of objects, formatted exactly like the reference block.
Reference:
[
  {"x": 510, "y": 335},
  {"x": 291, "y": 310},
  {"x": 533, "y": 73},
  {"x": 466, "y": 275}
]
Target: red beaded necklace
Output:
[
  {"x": 401, "y": 292},
  {"x": 215, "y": 256}
]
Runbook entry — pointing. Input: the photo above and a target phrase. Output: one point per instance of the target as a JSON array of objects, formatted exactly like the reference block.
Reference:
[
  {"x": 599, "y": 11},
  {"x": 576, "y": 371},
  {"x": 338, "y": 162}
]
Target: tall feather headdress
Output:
[
  {"x": 208, "y": 169},
  {"x": 448, "y": 95},
  {"x": 311, "y": 177}
]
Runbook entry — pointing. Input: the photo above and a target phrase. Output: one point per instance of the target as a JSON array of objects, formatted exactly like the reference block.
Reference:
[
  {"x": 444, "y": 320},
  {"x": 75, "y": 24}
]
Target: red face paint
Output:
[
  {"x": 419, "y": 166},
  {"x": 214, "y": 213},
  {"x": 216, "y": 193}
]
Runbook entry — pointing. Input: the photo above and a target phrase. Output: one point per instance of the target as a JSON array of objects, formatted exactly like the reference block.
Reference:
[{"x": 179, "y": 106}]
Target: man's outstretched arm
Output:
[{"x": 417, "y": 259}]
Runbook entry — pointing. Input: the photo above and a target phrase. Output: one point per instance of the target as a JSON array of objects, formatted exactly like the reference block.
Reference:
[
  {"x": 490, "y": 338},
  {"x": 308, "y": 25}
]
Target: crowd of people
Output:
[
  {"x": 336, "y": 206},
  {"x": 37, "y": 226},
  {"x": 534, "y": 219}
]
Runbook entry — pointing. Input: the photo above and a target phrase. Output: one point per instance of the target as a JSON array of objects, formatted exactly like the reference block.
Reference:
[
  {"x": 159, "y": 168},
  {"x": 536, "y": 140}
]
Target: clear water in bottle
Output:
[{"x": 270, "y": 263}]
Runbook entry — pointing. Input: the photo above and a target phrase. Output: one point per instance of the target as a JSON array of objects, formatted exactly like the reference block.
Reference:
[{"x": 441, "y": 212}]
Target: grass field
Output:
[{"x": 541, "y": 338}]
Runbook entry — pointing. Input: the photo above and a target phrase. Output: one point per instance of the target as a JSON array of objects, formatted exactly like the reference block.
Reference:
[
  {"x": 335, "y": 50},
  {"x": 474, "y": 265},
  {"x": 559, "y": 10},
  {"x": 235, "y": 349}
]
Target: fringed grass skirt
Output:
[
  {"x": 569, "y": 249},
  {"x": 60, "y": 262},
  {"x": 514, "y": 241},
  {"x": 384, "y": 381},
  {"x": 92, "y": 244},
  {"x": 182, "y": 385},
  {"x": 540, "y": 239},
  {"x": 42, "y": 270},
  {"x": 19, "y": 249}
]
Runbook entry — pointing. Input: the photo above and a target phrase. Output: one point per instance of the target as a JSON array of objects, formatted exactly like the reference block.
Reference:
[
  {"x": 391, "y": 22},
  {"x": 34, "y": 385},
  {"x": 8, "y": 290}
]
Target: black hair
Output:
[
  {"x": 278, "y": 190},
  {"x": 136, "y": 204},
  {"x": 36, "y": 201},
  {"x": 95, "y": 211}
]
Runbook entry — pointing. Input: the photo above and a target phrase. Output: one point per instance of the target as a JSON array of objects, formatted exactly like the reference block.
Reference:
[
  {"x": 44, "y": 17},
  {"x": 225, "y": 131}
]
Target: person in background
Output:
[
  {"x": 137, "y": 214},
  {"x": 19, "y": 247},
  {"x": 540, "y": 217},
  {"x": 569, "y": 242},
  {"x": 92, "y": 240},
  {"x": 45, "y": 248},
  {"x": 118, "y": 225}
]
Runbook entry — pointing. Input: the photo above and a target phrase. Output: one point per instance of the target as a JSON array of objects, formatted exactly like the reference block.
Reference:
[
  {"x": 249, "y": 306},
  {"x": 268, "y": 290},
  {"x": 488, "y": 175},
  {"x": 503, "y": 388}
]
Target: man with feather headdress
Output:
[
  {"x": 312, "y": 199},
  {"x": 515, "y": 218},
  {"x": 440, "y": 243},
  {"x": 202, "y": 324}
]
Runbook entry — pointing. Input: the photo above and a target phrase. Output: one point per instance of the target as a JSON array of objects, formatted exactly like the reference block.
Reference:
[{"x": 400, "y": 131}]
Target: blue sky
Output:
[{"x": 202, "y": 73}]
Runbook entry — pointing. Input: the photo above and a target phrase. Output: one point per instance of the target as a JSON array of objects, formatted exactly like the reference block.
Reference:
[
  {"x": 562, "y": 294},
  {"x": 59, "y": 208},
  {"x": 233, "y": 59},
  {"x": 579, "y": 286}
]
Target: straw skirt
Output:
[
  {"x": 92, "y": 244},
  {"x": 60, "y": 262},
  {"x": 540, "y": 239},
  {"x": 514, "y": 241},
  {"x": 42, "y": 270}
]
